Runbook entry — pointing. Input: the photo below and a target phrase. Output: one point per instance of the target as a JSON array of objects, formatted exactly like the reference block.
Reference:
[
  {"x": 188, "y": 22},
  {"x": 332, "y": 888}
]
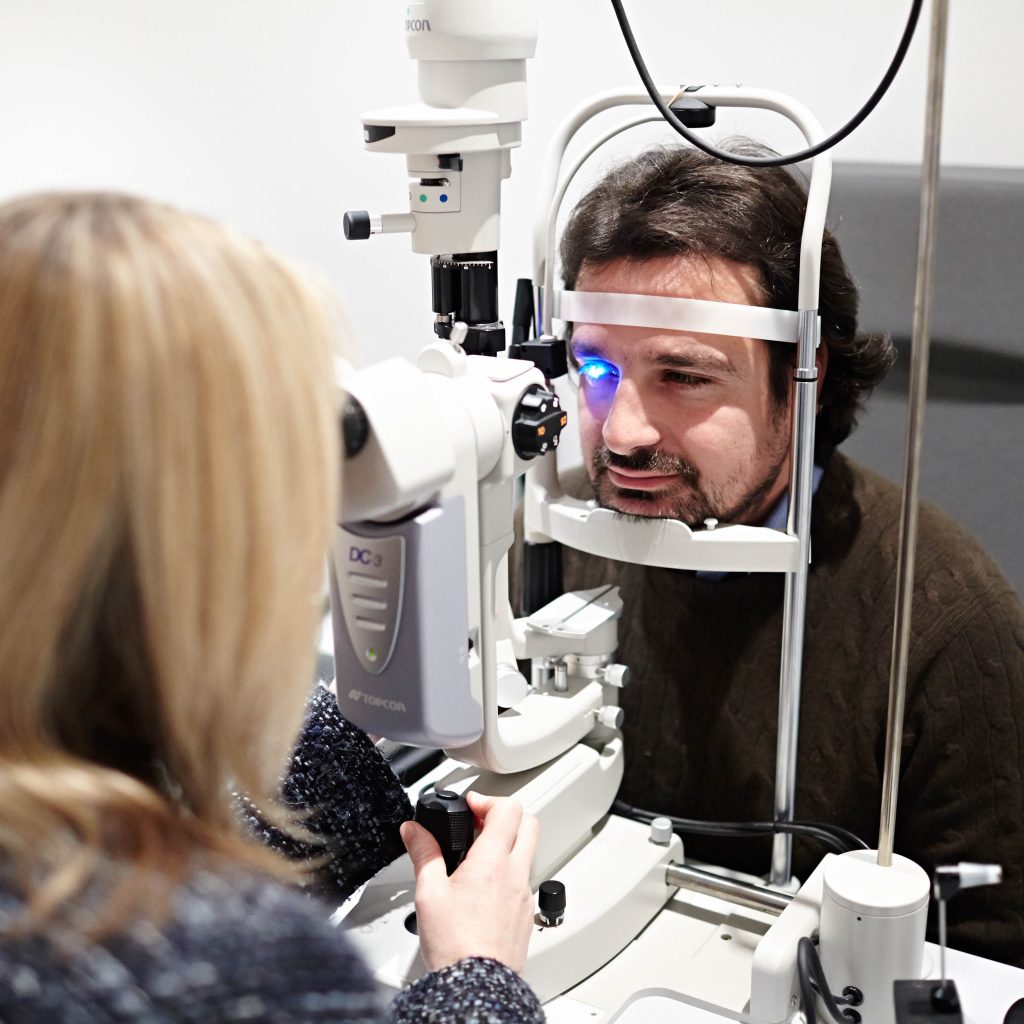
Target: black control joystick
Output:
[
  {"x": 447, "y": 817},
  {"x": 551, "y": 903}
]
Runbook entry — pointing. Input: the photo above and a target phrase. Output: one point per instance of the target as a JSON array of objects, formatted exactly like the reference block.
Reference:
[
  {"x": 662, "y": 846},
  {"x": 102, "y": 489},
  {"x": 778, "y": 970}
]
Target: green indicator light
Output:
[
  {"x": 371, "y": 653},
  {"x": 423, "y": 197}
]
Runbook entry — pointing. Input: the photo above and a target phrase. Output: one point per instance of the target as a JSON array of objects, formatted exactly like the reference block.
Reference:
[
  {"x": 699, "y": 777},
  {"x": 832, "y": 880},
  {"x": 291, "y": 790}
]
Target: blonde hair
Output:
[{"x": 167, "y": 475}]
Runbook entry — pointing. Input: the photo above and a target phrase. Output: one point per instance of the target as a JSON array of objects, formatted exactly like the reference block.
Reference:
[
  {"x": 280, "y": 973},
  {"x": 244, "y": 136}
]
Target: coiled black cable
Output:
[{"x": 771, "y": 161}]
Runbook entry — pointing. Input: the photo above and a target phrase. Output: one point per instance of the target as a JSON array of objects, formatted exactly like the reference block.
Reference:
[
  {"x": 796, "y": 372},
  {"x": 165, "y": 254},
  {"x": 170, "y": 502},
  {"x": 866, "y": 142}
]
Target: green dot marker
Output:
[
  {"x": 423, "y": 197},
  {"x": 371, "y": 653}
]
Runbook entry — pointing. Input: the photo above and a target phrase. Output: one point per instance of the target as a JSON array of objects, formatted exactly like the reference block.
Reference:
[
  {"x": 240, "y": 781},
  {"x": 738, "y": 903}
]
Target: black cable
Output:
[
  {"x": 771, "y": 161},
  {"x": 812, "y": 981},
  {"x": 853, "y": 841},
  {"x": 807, "y": 996},
  {"x": 834, "y": 837}
]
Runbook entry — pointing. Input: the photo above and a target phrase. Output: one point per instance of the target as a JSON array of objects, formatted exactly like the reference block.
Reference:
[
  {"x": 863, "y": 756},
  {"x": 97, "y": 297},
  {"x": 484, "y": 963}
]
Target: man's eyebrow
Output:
[{"x": 709, "y": 362}]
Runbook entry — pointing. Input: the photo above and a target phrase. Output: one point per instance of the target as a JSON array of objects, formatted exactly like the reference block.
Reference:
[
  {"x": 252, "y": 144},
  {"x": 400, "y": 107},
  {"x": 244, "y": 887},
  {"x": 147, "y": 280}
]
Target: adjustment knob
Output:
[
  {"x": 537, "y": 423},
  {"x": 661, "y": 831},
  {"x": 355, "y": 427},
  {"x": 551, "y": 903},
  {"x": 447, "y": 817},
  {"x": 614, "y": 675},
  {"x": 356, "y": 225}
]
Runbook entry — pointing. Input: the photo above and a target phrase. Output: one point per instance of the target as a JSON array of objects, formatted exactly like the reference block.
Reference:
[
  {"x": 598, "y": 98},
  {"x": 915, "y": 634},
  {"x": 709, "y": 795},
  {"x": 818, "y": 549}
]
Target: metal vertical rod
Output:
[
  {"x": 942, "y": 943},
  {"x": 805, "y": 405},
  {"x": 919, "y": 347}
]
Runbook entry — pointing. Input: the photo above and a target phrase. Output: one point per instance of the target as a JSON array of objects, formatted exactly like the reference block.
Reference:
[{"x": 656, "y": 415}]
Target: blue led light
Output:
[
  {"x": 597, "y": 371},
  {"x": 444, "y": 199}
]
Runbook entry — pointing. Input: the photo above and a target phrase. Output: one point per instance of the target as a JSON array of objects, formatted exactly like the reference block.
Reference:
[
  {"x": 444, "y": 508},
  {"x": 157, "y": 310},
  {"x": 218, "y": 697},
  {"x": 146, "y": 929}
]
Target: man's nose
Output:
[{"x": 628, "y": 425}]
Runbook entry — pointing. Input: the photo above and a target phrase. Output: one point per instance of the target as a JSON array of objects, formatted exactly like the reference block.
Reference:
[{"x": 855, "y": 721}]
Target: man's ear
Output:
[{"x": 821, "y": 362}]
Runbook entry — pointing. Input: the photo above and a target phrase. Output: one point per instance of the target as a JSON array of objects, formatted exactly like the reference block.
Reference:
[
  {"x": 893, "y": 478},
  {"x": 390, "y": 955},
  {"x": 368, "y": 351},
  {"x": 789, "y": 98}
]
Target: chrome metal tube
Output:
[
  {"x": 919, "y": 347},
  {"x": 801, "y": 491},
  {"x": 942, "y": 942},
  {"x": 766, "y": 900}
]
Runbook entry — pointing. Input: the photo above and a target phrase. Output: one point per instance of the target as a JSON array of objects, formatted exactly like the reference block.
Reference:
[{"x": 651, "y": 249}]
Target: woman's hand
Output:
[{"x": 485, "y": 908}]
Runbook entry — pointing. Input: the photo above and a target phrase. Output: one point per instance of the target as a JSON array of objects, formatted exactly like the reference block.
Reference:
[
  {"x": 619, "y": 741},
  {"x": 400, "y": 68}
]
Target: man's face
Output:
[{"x": 673, "y": 424}]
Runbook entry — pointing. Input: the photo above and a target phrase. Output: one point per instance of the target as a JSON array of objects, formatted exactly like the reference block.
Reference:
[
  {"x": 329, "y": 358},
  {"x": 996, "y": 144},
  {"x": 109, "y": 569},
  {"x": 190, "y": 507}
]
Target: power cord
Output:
[
  {"x": 812, "y": 983},
  {"x": 771, "y": 161},
  {"x": 838, "y": 839}
]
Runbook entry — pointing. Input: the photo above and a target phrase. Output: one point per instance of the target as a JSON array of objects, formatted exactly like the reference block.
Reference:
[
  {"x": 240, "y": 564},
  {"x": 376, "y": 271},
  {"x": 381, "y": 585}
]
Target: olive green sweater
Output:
[{"x": 702, "y": 706}]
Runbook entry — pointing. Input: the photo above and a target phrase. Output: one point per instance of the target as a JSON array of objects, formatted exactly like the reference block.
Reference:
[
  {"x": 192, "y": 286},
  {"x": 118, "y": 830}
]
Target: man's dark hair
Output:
[{"x": 676, "y": 201}]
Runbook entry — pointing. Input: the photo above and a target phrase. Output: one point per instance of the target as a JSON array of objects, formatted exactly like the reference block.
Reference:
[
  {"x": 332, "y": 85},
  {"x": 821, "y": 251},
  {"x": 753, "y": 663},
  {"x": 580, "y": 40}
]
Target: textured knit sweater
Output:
[
  {"x": 238, "y": 947},
  {"x": 701, "y": 710}
]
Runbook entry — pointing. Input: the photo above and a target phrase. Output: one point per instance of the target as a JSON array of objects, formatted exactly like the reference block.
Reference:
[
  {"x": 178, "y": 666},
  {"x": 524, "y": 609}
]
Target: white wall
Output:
[{"x": 248, "y": 109}]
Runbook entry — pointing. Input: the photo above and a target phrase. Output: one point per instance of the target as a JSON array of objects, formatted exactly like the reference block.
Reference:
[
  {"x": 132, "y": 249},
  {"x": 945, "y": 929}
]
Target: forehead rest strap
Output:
[{"x": 697, "y": 316}]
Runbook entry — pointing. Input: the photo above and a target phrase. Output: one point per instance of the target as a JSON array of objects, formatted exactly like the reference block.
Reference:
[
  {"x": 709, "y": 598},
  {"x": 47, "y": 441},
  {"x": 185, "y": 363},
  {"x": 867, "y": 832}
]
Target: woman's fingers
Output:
[
  {"x": 500, "y": 820},
  {"x": 525, "y": 847},
  {"x": 485, "y": 907},
  {"x": 424, "y": 853}
]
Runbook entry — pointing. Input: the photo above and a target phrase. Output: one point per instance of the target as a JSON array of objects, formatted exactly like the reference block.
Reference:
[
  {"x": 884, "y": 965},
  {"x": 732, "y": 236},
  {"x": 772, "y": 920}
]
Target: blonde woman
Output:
[{"x": 168, "y": 465}]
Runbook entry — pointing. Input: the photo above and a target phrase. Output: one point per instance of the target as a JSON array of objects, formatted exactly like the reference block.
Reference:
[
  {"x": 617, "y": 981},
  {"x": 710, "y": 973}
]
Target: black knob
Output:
[
  {"x": 693, "y": 113},
  {"x": 356, "y": 224},
  {"x": 551, "y": 902},
  {"x": 447, "y": 817},
  {"x": 355, "y": 427},
  {"x": 537, "y": 423}
]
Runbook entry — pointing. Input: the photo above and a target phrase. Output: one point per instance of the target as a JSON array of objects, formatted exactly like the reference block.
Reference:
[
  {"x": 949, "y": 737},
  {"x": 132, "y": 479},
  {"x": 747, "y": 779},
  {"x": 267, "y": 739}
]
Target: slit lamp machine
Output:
[{"x": 428, "y": 651}]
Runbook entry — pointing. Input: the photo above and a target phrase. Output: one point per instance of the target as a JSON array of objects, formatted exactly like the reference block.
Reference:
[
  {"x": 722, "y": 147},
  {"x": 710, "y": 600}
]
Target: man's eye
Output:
[
  {"x": 597, "y": 371},
  {"x": 686, "y": 379}
]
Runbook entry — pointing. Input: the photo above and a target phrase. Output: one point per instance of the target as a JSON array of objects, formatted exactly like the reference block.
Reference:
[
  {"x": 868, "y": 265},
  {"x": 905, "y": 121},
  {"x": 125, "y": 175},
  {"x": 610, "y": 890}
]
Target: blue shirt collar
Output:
[{"x": 775, "y": 520}]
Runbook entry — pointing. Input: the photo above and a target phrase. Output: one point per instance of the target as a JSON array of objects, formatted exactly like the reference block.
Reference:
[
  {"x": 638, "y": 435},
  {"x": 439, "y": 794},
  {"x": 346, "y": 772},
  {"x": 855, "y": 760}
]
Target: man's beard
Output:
[{"x": 689, "y": 500}]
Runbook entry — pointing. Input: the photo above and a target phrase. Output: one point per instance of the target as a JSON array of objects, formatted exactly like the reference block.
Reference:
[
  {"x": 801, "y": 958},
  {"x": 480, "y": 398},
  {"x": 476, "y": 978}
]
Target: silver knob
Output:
[
  {"x": 611, "y": 716},
  {"x": 615, "y": 675},
  {"x": 661, "y": 831}
]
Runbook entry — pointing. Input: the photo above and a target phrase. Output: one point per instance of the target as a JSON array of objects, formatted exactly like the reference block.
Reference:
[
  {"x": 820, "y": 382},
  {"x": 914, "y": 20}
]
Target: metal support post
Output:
[
  {"x": 805, "y": 405},
  {"x": 919, "y": 347}
]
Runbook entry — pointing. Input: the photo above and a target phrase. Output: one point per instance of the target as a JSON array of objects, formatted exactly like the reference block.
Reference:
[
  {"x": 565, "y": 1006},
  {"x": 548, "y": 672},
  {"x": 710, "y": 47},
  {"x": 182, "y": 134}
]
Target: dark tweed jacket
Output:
[{"x": 238, "y": 947}]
